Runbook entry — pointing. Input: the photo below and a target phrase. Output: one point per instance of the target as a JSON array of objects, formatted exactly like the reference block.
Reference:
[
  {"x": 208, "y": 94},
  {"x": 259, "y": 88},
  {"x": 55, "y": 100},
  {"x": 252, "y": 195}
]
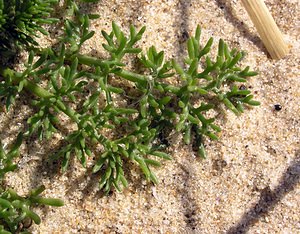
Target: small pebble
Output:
[
  {"x": 277, "y": 107},
  {"x": 242, "y": 87}
]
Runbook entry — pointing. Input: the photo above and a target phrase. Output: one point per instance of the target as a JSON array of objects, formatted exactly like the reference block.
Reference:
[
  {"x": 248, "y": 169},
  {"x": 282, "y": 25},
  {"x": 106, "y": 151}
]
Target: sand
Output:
[{"x": 250, "y": 181}]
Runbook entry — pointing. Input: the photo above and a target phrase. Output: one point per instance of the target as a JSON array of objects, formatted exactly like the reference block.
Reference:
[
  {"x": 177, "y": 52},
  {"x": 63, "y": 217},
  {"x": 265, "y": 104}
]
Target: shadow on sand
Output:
[{"x": 269, "y": 198}]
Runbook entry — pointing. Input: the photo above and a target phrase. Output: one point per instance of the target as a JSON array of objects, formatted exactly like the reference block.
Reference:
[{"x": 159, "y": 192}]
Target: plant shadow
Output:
[
  {"x": 182, "y": 23},
  {"x": 188, "y": 202},
  {"x": 269, "y": 198}
]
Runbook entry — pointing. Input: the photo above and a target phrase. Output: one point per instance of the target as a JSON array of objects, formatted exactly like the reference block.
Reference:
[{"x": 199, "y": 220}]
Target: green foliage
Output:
[
  {"x": 21, "y": 20},
  {"x": 16, "y": 214},
  {"x": 127, "y": 133},
  {"x": 6, "y": 158}
]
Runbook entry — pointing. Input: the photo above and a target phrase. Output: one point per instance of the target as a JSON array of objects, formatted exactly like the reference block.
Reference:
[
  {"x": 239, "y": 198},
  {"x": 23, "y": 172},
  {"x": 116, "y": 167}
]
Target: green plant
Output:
[
  {"x": 127, "y": 126},
  {"x": 156, "y": 103},
  {"x": 16, "y": 214},
  {"x": 20, "y": 22}
]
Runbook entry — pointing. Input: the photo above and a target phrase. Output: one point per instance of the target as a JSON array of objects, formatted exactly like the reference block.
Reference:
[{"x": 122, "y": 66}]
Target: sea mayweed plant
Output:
[
  {"x": 21, "y": 21},
  {"x": 16, "y": 214},
  {"x": 157, "y": 103},
  {"x": 60, "y": 77}
]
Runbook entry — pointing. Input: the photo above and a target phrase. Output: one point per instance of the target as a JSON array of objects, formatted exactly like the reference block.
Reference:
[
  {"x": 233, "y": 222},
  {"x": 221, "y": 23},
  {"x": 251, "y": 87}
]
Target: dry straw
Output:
[{"x": 266, "y": 27}]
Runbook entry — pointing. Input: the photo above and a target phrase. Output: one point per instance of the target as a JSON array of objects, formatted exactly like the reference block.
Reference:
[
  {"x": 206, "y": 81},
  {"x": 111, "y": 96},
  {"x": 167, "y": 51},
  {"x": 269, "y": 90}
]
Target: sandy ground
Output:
[{"x": 250, "y": 181}]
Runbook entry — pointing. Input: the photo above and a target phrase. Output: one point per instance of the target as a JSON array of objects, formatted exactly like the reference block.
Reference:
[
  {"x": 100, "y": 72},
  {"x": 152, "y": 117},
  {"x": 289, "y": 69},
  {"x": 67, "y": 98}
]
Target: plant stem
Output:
[
  {"x": 88, "y": 60},
  {"x": 134, "y": 77},
  {"x": 17, "y": 78}
]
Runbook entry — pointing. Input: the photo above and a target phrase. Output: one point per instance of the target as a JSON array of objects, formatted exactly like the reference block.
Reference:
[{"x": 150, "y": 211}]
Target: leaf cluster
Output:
[
  {"x": 20, "y": 22},
  {"x": 16, "y": 214}
]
